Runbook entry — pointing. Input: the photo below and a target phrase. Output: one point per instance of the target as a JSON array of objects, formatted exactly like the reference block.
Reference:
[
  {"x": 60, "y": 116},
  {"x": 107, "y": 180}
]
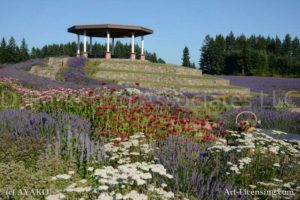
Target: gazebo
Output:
[{"x": 109, "y": 31}]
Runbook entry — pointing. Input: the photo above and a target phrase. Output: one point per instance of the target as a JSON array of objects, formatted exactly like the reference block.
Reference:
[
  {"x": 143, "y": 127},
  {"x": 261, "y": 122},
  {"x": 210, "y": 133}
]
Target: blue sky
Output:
[{"x": 175, "y": 23}]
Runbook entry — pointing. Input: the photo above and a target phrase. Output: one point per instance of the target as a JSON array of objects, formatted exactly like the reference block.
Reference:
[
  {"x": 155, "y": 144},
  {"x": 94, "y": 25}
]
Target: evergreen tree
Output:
[
  {"x": 256, "y": 55},
  {"x": 218, "y": 53},
  {"x": 33, "y": 53},
  {"x": 161, "y": 61},
  {"x": 278, "y": 46},
  {"x": 206, "y": 57},
  {"x": 287, "y": 45},
  {"x": 230, "y": 42},
  {"x": 296, "y": 47},
  {"x": 3, "y": 53},
  {"x": 242, "y": 45},
  {"x": 186, "y": 57},
  {"x": 13, "y": 55},
  {"x": 193, "y": 65},
  {"x": 24, "y": 55}
]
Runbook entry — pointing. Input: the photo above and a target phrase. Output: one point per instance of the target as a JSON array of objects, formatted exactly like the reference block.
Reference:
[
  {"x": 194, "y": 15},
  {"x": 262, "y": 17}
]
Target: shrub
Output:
[
  {"x": 26, "y": 150},
  {"x": 9, "y": 97},
  {"x": 270, "y": 119}
]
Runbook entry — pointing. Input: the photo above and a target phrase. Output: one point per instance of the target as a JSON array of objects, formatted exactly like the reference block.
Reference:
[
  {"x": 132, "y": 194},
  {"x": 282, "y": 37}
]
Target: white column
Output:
[
  {"x": 78, "y": 44},
  {"x": 108, "y": 36},
  {"x": 132, "y": 43},
  {"x": 91, "y": 44},
  {"x": 84, "y": 42},
  {"x": 142, "y": 38},
  {"x": 112, "y": 45}
]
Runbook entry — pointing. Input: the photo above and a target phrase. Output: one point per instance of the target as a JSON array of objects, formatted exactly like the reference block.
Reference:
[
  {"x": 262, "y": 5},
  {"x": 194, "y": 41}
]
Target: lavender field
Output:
[
  {"x": 81, "y": 138},
  {"x": 265, "y": 84}
]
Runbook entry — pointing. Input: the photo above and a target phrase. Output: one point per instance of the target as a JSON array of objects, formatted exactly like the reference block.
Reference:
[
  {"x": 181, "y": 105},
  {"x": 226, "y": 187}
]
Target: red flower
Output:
[
  {"x": 221, "y": 123},
  {"x": 116, "y": 142},
  {"x": 100, "y": 113},
  {"x": 160, "y": 136},
  {"x": 136, "y": 97},
  {"x": 186, "y": 127},
  {"x": 185, "y": 140},
  {"x": 170, "y": 123},
  {"x": 159, "y": 102},
  {"x": 207, "y": 116},
  {"x": 102, "y": 83},
  {"x": 134, "y": 118},
  {"x": 103, "y": 133},
  {"x": 123, "y": 136},
  {"x": 208, "y": 138},
  {"x": 176, "y": 133},
  {"x": 91, "y": 92},
  {"x": 147, "y": 114},
  {"x": 214, "y": 125},
  {"x": 112, "y": 90}
]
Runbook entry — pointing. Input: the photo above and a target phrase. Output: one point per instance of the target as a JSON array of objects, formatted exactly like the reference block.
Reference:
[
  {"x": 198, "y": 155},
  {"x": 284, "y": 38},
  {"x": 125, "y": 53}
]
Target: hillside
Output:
[{"x": 120, "y": 71}]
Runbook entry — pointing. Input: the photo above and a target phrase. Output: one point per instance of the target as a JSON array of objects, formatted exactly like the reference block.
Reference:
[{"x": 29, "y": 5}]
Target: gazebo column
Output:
[
  {"x": 108, "y": 53},
  {"x": 85, "y": 54},
  {"x": 112, "y": 46},
  {"x": 143, "y": 57},
  {"x": 91, "y": 45},
  {"x": 78, "y": 45},
  {"x": 132, "y": 56}
]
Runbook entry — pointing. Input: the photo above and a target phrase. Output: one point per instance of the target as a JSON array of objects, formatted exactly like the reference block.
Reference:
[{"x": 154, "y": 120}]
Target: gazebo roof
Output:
[{"x": 115, "y": 30}]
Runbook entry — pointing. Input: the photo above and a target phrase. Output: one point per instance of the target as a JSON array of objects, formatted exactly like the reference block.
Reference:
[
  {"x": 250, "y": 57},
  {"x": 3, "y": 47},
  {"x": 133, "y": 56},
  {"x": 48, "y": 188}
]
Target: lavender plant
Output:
[
  {"x": 191, "y": 165},
  {"x": 75, "y": 73},
  {"x": 265, "y": 84},
  {"x": 17, "y": 122},
  {"x": 67, "y": 136}
]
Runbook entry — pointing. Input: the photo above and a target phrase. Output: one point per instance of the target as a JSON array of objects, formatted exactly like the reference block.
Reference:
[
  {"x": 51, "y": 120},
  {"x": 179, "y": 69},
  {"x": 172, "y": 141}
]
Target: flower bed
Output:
[{"x": 110, "y": 143}]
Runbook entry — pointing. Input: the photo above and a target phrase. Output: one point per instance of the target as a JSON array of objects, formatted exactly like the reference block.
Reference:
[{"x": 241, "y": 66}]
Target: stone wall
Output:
[
  {"x": 167, "y": 79},
  {"x": 51, "y": 69},
  {"x": 146, "y": 67}
]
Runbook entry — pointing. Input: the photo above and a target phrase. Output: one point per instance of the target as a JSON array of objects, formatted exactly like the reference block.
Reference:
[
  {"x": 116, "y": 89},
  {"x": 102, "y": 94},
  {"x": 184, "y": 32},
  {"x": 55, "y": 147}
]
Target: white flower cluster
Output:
[
  {"x": 58, "y": 196},
  {"x": 259, "y": 140},
  {"x": 237, "y": 167},
  {"x": 62, "y": 176},
  {"x": 162, "y": 193},
  {"x": 127, "y": 174},
  {"x": 122, "y": 153},
  {"x": 131, "y": 173},
  {"x": 129, "y": 91},
  {"x": 118, "y": 196}
]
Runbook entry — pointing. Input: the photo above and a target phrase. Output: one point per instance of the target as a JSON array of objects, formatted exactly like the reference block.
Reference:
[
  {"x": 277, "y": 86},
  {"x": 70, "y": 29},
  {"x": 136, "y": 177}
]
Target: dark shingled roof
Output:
[{"x": 116, "y": 31}]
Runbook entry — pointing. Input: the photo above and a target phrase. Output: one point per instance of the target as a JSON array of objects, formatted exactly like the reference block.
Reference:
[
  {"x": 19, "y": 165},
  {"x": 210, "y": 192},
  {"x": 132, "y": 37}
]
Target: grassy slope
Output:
[{"x": 94, "y": 66}]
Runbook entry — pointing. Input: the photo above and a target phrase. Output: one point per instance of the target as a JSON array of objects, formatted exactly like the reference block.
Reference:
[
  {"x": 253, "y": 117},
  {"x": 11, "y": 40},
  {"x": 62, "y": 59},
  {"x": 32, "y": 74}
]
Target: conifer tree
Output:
[{"x": 186, "y": 57}]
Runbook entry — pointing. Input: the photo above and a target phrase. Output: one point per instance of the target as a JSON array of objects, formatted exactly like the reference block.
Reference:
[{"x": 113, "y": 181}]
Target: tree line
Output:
[
  {"x": 10, "y": 52},
  {"x": 255, "y": 55}
]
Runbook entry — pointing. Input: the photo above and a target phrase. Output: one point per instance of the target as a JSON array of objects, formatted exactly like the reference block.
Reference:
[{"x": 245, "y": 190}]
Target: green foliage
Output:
[
  {"x": 26, "y": 150},
  {"x": 9, "y": 97},
  {"x": 255, "y": 55},
  {"x": 186, "y": 57},
  {"x": 16, "y": 176},
  {"x": 91, "y": 67}
]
